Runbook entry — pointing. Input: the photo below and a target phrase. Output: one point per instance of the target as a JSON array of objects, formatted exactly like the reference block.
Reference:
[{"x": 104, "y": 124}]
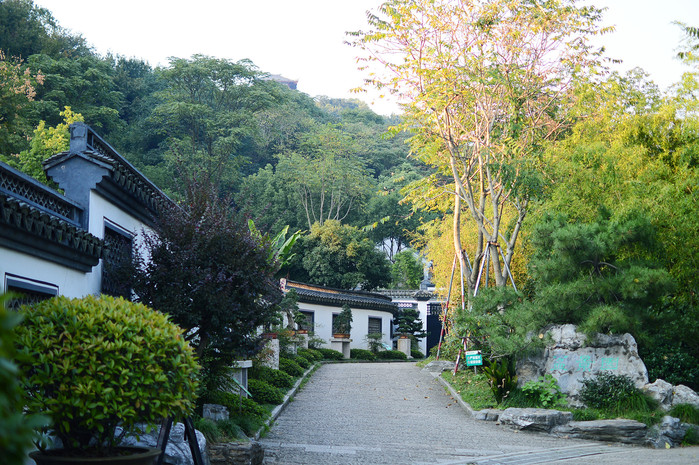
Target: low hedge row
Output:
[
  {"x": 362, "y": 354},
  {"x": 330, "y": 354},
  {"x": 391, "y": 355},
  {"x": 264, "y": 393},
  {"x": 302, "y": 361},
  {"x": 290, "y": 367},
  {"x": 276, "y": 378},
  {"x": 310, "y": 354}
]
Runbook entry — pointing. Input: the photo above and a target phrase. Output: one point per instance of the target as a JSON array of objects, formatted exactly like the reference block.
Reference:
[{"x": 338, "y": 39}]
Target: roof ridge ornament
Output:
[{"x": 78, "y": 137}]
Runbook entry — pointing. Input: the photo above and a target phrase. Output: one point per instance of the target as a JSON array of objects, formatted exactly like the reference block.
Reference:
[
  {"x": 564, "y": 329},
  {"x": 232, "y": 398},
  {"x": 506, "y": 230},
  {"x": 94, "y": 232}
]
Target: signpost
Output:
[{"x": 473, "y": 358}]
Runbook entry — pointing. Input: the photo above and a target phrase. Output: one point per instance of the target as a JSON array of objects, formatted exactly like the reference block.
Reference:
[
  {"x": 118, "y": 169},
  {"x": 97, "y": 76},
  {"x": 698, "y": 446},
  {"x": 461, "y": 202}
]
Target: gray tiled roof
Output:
[{"x": 310, "y": 293}]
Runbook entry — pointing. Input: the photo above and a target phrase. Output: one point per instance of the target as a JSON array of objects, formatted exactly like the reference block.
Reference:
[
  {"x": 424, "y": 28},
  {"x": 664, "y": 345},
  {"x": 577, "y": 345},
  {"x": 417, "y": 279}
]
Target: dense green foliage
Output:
[
  {"x": 271, "y": 376},
  {"x": 340, "y": 256},
  {"x": 390, "y": 355},
  {"x": 501, "y": 377},
  {"x": 310, "y": 354},
  {"x": 544, "y": 392},
  {"x": 290, "y": 367},
  {"x": 409, "y": 323},
  {"x": 687, "y": 413},
  {"x": 616, "y": 393},
  {"x": 265, "y": 393},
  {"x": 210, "y": 274},
  {"x": 96, "y": 363},
  {"x": 330, "y": 354},
  {"x": 17, "y": 430},
  {"x": 362, "y": 354}
]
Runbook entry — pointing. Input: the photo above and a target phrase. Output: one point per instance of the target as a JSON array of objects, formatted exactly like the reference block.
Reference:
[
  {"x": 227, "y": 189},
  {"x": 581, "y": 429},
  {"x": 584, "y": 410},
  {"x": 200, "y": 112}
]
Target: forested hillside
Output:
[{"x": 285, "y": 157}]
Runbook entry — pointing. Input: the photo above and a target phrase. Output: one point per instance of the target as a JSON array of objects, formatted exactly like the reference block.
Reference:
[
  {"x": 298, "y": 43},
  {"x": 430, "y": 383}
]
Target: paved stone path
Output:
[{"x": 394, "y": 413}]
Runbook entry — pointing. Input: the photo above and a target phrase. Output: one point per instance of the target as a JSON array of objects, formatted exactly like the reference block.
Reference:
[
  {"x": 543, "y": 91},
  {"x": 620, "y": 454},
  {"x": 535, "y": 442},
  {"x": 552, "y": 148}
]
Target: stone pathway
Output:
[{"x": 394, "y": 413}]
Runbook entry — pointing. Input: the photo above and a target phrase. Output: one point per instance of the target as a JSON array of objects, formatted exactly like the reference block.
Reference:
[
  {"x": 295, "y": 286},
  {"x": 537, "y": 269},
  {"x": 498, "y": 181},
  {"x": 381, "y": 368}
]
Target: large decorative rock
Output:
[
  {"x": 572, "y": 358},
  {"x": 534, "y": 419},
  {"x": 214, "y": 412},
  {"x": 625, "y": 431},
  {"x": 438, "y": 366},
  {"x": 681, "y": 394},
  {"x": 669, "y": 433},
  {"x": 488, "y": 414},
  {"x": 177, "y": 451},
  {"x": 661, "y": 391},
  {"x": 236, "y": 453}
]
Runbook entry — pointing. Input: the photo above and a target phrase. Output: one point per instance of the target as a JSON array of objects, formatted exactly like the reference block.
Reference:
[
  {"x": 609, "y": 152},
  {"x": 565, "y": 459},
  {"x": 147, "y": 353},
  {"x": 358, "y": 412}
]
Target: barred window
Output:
[
  {"x": 28, "y": 291},
  {"x": 119, "y": 246},
  {"x": 374, "y": 325}
]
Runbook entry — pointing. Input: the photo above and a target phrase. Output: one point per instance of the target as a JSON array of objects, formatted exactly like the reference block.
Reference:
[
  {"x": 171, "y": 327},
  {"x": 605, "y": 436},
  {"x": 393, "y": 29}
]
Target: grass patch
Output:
[
  {"x": 687, "y": 413},
  {"x": 472, "y": 387}
]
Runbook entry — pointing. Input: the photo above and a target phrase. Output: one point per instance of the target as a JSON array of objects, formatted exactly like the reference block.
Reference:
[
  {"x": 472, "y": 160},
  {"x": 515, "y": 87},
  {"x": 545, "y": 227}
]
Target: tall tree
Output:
[
  {"x": 17, "y": 89},
  {"x": 483, "y": 85},
  {"x": 328, "y": 177},
  {"x": 210, "y": 273},
  {"x": 339, "y": 256}
]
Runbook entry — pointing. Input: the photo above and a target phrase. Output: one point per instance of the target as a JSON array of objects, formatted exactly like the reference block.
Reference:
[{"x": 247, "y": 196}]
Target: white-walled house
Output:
[
  {"x": 371, "y": 312},
  {"x": 53, "y": 243}
]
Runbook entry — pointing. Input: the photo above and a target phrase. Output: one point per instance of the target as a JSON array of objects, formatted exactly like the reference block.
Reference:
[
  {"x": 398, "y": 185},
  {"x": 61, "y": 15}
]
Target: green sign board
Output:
[{"x": 474, "y": 358}]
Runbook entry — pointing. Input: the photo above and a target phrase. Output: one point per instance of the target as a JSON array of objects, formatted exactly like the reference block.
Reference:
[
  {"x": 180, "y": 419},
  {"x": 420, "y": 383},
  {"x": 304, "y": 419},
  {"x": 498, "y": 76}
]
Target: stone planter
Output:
[
  {"x": 341, "y": 344},
  {"x": 140, "y": 456}
]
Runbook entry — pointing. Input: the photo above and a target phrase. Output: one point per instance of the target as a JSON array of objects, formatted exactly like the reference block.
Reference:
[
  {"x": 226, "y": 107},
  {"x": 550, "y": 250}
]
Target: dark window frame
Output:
[
  {"x": 110, "y": 285},
  {"x": 29, "y": 290}
]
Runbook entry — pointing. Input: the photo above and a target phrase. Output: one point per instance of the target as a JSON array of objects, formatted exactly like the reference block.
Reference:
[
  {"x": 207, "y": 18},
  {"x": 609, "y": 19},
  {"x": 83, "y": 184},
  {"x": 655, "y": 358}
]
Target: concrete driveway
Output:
[{"x": 394, "y": 413}]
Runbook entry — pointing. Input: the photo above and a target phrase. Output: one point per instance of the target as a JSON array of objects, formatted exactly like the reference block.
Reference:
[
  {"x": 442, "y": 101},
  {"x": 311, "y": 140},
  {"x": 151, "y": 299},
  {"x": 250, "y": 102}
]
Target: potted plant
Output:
[
  {"x": 409, "y": 324},
  {"x": 342, "y": 323},
  {"x": 97, "y": 363}
]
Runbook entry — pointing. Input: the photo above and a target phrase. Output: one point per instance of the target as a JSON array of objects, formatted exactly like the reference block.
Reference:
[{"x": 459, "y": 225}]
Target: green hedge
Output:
[
  {"x": 290, "y": 367},
  {"x": 310, "y": 354},
  {"x": 416, "y": 354},
  {"x": 330, "y": 354},
  {"x": 362, "y": 354},
  {"x": 302, "y": 361},
  {"x": 391, "y": 355},
  {"x": 276, "y": 378},
  {"x": 264, "y": 393}
]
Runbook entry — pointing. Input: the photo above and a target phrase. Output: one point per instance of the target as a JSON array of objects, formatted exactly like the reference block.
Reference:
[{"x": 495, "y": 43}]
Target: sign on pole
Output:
[{"x": 473, "y": 358}]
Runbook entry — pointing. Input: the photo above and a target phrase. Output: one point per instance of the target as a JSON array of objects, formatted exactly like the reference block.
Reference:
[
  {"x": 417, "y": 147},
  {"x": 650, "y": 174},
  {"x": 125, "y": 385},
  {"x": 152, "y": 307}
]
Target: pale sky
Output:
[{"x": 303, "y": 39}]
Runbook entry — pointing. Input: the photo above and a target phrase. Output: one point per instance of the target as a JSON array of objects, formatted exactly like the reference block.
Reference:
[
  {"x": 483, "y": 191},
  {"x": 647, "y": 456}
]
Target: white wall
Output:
[
  {"x": 322, "y": 322},
  {"x": 70, "y": 282}
]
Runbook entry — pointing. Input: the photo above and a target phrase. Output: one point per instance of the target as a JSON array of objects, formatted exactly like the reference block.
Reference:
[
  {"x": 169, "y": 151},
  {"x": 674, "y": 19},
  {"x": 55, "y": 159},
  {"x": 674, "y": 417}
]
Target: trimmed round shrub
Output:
[
  {"x": 290, "y": 367},
  {"x": 391, "y": 355},
  {"x": 362, "y": 354},
  {"x": 310, "y": 354},
  {"x": 95, "y": 363},
  {"x": 302, "y": 361},
  {"x": 264, "y": 393},
  {"x": 416, "y": 353},
  {"x": 330, "y": 354},
  {"x": 277, "y": 378}
]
